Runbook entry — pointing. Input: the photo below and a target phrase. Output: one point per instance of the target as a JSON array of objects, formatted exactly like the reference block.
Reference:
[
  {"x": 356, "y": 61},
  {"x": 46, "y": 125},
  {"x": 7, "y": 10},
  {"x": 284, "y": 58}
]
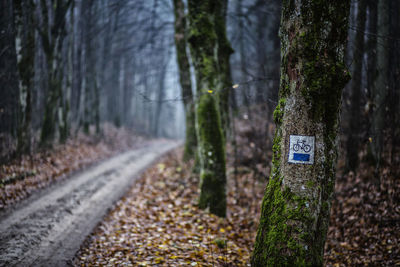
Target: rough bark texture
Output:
[
  {"x": 9, "y": 93},
  {"x": 184, "y": 78},
  {"x": 24, "y": 10},
  {"x": 296, "y": 206},
  {"x": 380, "y": 88},
  {"x": 52, "y": 47},
  {"x": 224, "y": 52},
  {"x": 204, "y": 47},
  {"x": 355, "y": 120}
]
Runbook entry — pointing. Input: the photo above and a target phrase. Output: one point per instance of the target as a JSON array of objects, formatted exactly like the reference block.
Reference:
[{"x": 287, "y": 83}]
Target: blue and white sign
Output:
[{"x": 301, "y": 150}]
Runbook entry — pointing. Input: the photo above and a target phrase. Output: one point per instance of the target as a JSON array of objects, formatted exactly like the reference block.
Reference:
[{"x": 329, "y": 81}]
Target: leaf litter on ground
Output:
[{"x": 158, "y": 222}]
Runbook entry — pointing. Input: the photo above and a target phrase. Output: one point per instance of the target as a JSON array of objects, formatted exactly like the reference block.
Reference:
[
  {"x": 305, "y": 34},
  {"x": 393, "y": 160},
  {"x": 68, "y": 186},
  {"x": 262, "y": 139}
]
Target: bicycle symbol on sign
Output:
[{"x": 301, "y": 145}]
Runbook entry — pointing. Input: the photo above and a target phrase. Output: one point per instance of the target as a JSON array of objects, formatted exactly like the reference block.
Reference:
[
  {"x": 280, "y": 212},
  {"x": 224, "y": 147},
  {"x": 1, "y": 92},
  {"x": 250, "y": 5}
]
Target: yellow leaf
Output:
[
  {"x": 159, "y": 260},
  {"x": 173, "y": 257},
  {"x": 210, "y": 91},
  {"x": 222, "y": 230}
]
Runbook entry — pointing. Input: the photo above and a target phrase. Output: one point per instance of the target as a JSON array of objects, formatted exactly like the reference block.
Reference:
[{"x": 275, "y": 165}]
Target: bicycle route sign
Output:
[{"x": 301, "y": 150}]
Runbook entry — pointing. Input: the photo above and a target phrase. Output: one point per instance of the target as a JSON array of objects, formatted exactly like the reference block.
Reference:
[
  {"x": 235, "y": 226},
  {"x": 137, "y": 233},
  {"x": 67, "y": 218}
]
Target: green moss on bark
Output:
[
  {"x": 212, "y": 157},
  {"x": 184, "y": 78},
  {"x": 281, "y": 240},
  {"x": 295, "y": 209},
  {"x": 191, "y": 138},
  {"x": 211, "y": 142}
]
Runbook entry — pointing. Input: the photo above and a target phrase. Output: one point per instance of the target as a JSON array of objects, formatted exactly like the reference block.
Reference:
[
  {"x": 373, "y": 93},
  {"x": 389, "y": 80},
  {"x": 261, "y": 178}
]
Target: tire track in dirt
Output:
[{"x": 49, "y": 230}]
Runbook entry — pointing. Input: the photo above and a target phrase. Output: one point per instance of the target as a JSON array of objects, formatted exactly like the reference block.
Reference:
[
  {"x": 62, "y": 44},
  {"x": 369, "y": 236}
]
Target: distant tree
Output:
[
  {"x": 184, "y": 78},
  {"x": 224, "y": 52},
  {"x": 380, "y": 86},
  {"x": 203, "y": 40},
  {"x": 25, "y": 37},
  {"x": 356, "y": 84},
  {"x": 52, "y": 33},
  {"x": 9, "y": 93},
  {"x": 296, "y": 205}
]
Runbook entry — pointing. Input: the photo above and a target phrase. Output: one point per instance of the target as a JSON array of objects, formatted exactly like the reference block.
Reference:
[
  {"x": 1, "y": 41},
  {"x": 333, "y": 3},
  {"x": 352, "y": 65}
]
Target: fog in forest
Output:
[{"x": 269, "y": 102}]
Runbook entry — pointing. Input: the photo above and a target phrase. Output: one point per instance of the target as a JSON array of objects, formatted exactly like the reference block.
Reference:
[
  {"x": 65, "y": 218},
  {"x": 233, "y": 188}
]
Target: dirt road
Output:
[{"x": 47, "y": 229}]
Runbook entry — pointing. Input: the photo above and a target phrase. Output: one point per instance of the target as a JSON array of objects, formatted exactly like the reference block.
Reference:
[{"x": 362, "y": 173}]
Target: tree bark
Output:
[
  {"x": 355, "y": 118},
  {"x": 224, "y": 52},
  {"x": 296, "y": 205},
  {"x": 52, "y": 34},
  {"x": 185, "y": 79},
  {"x": 203, "y": 41},
  {"x": 9, "y": 94},
  {"x": 24, "y": 11},
  {"x": 380, "y": 88}
]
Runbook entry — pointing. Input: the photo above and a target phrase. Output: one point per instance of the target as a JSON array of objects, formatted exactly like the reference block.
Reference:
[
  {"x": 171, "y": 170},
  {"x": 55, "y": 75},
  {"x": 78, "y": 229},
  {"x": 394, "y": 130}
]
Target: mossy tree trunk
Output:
[
  {"x": 184, "y": 78},
  {"x": 296, "y": 205},
  {"x": 224, "y": 52},
  {"x": 203, "y": 42}
]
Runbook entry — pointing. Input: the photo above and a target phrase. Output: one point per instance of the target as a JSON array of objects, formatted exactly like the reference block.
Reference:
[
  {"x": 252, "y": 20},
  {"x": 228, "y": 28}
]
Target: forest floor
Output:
[
  {"x": 48, "y": 227},
  {"x": 158, "y": 222},
  {"x": 24, "y": 176}
]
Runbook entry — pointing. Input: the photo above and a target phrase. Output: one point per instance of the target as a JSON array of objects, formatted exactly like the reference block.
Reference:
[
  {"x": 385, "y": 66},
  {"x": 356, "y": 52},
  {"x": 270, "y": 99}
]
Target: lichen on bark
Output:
[
  {"x": 211, "y": 143},
  {"x": 295, "y": 209}
]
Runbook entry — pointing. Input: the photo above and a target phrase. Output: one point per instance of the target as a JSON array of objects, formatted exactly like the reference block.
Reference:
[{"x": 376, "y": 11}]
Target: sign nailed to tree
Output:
[{"x": 301, "y": 149}]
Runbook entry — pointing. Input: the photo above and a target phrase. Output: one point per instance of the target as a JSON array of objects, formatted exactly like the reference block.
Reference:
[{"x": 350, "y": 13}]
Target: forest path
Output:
[{"x": 49, "y": 229}]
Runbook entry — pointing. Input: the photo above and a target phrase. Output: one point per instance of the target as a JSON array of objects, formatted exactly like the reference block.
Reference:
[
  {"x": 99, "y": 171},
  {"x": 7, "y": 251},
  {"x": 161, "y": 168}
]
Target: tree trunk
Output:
[
  {"x": 380, "y": 88},
  {"x": 9, "y": 94},
  {"x": 371, "y": 66},
  {"x": 184, "y": 78},
  {"x": 26, "y": 59},
  {"x": 89, "y": 69},
  {"x": 395, "y": 84},
  {"x": 355, "y": 118},
  {"x": 296, "y": 205},
  {"x": 52, "y": 47},
  {"x": 243, "y": 63},
  {"x": 160, "y": 97},
  {"x": 224, "y": 52},
  {"x": 204, "y": 43}
]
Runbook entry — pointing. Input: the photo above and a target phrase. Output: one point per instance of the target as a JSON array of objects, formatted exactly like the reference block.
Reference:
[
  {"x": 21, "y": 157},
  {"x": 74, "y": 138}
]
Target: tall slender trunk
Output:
[
  {"x": 224, "y": 52},
  {"x": 52, "y": 34},
  {"x": 184, "y": 78},
  {"x": 26, "y": 52},
  {"x": 380, "y": 88},
  {"x": 9, "y": 94},
  {"x": 160, "y": 98},
  {"x": 204, "y": 42},
  {"x": 245, "y": 93},
  {"x": 355, "y": 122}
]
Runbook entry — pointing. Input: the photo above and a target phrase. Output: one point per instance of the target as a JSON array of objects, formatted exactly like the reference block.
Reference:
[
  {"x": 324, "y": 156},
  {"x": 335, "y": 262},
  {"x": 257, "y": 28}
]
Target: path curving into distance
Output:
[{"x": 47, "y": 230}]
